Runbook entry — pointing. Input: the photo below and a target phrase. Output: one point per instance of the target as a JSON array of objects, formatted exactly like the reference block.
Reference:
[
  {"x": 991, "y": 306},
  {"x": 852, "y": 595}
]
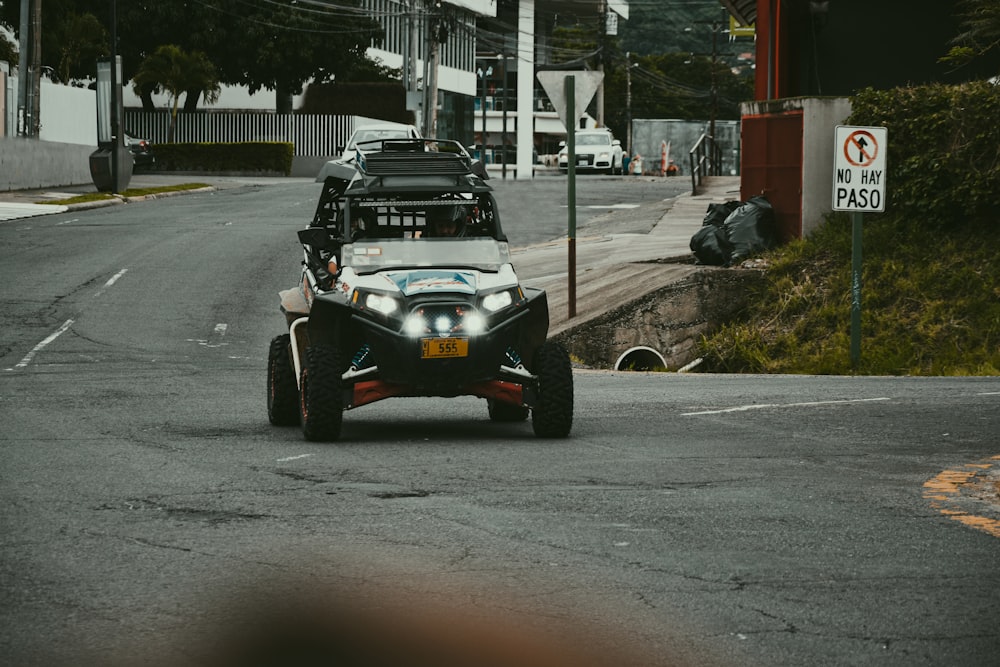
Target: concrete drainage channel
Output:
[{"x": 661, "y": 330}]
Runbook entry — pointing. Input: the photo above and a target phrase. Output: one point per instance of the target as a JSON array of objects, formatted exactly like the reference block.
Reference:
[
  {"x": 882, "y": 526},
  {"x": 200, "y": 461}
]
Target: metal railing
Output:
[{"x": 706, "y": 160}]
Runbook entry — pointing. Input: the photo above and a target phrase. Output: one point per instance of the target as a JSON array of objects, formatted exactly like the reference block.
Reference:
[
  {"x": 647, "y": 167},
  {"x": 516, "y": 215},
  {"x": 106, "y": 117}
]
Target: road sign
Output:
[
  {"x": 586, "y": 84},
  {"x": 859, "y": 169}
]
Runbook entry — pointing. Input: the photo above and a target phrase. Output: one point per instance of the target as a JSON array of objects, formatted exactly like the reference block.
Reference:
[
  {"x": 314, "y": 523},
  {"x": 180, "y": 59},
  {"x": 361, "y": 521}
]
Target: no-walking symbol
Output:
[{"x": 859, "y": 169}]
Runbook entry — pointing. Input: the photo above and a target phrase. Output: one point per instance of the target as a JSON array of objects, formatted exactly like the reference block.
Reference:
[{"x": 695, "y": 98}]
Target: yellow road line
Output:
[{"x": 944, "y": 491}]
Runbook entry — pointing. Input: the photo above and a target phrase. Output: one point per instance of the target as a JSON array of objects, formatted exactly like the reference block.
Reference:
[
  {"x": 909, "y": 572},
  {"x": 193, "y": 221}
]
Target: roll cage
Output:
[{"x": 392, "y": 183}]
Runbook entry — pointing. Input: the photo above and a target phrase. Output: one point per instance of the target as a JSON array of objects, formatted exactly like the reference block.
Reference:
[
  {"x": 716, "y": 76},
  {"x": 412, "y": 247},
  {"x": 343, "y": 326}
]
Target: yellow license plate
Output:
[{"x": 438, "y": 348}]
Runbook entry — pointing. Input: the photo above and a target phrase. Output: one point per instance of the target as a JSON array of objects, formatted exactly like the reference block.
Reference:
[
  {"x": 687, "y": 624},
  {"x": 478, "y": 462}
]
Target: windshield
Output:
[
  {"x": 593, "y": 139},
  {"x": 376, "y": 134},
  {"x": 482, "y": 254}
]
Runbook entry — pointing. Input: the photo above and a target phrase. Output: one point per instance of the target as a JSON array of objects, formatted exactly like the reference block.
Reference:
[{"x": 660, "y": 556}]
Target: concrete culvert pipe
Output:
[{"x": 640, "y": 359}]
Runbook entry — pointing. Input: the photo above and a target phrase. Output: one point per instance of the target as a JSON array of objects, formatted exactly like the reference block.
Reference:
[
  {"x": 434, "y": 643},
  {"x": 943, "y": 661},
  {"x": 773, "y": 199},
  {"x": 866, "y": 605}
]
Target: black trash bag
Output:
[
  {"x": 751, "y": 229},
  {"x": 710, "y": 246},
  {"x": 717, "y": 213}
]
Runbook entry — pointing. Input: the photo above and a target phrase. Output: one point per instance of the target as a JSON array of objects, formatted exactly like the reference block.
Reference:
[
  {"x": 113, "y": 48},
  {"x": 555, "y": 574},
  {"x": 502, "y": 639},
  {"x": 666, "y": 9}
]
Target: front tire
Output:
[
  {"x": 321, "y": 401},
  {"x": 282, "y": 392},
  {"x": 552, "y": 417}
]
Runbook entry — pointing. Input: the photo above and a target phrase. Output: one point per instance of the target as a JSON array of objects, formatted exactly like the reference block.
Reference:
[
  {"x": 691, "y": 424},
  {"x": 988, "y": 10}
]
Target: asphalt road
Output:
[{"x": 147, "y": 505}]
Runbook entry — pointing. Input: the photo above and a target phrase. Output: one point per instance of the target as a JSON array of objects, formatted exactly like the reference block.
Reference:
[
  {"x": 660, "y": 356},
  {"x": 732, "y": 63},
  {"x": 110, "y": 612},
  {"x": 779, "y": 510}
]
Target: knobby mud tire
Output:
[
  {"x": 553, "y": 416},
  {"x": 321, "y": 401},
  {"x": 506, "y": 412},
  {"x": 282, "y": 391}
]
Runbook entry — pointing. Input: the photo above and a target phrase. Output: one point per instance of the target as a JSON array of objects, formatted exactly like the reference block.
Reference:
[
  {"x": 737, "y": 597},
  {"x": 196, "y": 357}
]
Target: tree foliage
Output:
[
  {"x": 980, "y": 32},
  {"x": 944, "y": 167},
  {"x": 73, "y": 37},
  {"x": 78, "y": 40},
  {"x": 177, "y": 71},
  {"x": 8, "y": 52},
  {"x": 261, "y": 44}
]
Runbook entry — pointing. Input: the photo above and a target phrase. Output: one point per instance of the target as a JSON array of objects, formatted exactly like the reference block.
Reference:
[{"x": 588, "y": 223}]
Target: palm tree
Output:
[{"x": 172, "y": 69}]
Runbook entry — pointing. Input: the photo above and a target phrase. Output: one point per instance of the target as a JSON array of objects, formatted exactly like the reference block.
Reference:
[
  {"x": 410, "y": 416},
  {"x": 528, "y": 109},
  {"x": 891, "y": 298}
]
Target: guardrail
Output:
[{"x": 706, "y": 160}]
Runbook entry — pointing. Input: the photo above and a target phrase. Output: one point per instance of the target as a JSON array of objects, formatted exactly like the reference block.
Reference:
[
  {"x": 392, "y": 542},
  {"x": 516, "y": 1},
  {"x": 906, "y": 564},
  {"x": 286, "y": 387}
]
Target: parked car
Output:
[
  {"x": 596, "y": 150},
  {"x": 377, "y": 133},
  {"x": 142, "y": 151}
]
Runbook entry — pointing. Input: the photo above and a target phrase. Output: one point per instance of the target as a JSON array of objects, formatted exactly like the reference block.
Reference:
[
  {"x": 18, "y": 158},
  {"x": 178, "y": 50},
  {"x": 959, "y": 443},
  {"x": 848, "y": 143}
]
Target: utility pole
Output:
[
  {"x": 29, "y": 71},
  {"x": 601, "y": 41},
  {"x": 431, "y": 64},
  {"x": 484, "y": 71},
  {"x": 410, "y": 49},
  {"x": 24, "y": 59},
  {"x": 36, "y": 67},
  {"x": 716, "y": 26},
  {"x": 503, "y": 137},
  {"x": 628, "y": 102},
  {"x": 115, "y": 102}
]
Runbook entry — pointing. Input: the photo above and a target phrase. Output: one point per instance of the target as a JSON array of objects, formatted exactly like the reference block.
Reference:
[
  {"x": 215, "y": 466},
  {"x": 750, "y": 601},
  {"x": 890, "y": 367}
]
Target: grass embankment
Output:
[{"x": 930, "y": 304}]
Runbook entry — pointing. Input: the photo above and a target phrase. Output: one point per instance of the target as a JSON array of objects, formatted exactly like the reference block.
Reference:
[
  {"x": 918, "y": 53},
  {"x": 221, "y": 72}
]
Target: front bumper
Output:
[
  {"x": 587, "y": 161},
  {"x": 381, "y": 360}
]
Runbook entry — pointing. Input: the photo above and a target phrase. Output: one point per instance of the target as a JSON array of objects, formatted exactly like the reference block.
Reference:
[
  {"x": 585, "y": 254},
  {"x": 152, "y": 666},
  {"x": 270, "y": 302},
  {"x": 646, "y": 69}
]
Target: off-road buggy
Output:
[{"x": 386, "y": 308}]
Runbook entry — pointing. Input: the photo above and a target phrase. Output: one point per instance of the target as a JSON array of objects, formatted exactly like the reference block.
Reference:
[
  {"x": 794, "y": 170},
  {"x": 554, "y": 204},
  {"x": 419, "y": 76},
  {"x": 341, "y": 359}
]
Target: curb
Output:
[{"x": 118, "y": 199}]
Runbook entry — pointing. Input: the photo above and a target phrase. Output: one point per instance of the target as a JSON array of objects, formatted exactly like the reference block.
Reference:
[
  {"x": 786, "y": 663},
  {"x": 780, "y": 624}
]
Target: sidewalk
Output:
[
  {"x": 614, "y": 268},
  {"x": 15, "y": 204}
]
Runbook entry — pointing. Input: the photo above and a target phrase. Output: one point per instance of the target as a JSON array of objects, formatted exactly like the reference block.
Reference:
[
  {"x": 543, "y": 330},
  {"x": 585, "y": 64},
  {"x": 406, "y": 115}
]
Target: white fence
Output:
[
  {"x": 313, "y": 134},
  {"x": 69, "y": 115}
]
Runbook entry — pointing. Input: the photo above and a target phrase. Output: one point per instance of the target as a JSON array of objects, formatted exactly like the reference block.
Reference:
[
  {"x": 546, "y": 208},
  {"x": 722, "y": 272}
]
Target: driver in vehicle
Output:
[{"x": 446, "y": 221}]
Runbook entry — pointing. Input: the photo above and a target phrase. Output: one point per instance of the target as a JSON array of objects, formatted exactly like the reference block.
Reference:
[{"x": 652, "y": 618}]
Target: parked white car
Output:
[
  {"x": 596, "y": 150},
  {"x": 376, "y": 133}
]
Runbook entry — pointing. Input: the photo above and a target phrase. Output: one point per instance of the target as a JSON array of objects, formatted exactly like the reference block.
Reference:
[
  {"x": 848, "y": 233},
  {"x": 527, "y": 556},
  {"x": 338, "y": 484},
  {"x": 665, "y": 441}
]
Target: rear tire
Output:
[
  {"x": 282, "y": 392},
  {"x": 506, "y": 412},
  {"x": 321, "y": 401},
  {"x": 552, "y": 417}
]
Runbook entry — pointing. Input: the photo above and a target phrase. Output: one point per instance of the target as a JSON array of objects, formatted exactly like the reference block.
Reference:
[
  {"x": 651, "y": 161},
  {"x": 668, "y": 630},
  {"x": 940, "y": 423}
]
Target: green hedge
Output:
[
  {"x": 243, "y": 157},
  {"x": 943, "y": 162}
]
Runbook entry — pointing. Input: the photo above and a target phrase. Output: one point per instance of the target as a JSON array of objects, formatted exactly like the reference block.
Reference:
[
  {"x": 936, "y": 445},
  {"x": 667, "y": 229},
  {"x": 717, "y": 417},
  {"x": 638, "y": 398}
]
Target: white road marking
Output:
[
  {"x": 35, "y": 350},
  {"x": 111, "y": 281},
  {"x": 294, "y": 458},
  {"x": 762, "y": 406},
  {"x": 218, "y": 332}
]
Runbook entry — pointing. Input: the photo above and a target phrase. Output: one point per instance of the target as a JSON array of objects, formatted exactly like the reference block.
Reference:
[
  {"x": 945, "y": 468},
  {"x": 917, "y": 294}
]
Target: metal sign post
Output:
[
  {"x": 570, "y": 83},
  {"x": 858, "y": 187}
]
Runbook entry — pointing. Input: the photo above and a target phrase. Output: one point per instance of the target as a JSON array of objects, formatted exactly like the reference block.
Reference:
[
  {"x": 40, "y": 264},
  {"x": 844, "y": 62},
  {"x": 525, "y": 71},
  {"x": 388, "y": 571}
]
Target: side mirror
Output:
[{"x": 616, "y": 142}]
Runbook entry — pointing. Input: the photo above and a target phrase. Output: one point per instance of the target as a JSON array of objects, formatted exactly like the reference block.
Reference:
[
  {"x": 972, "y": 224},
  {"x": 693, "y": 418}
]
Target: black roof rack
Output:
[{"x": 396, "y": 157}]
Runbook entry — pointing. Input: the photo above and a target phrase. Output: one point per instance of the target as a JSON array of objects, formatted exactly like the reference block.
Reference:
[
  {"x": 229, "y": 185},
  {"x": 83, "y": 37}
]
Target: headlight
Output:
[
  {"x": 414, "y": 325},
  {"x": 381, "y": 304},
  {"x": 605, "y": 155},
  {"x": 497, "y": 300},
  {"x": 445, "y": 320},
  {"x": 474, "y": 324}
]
